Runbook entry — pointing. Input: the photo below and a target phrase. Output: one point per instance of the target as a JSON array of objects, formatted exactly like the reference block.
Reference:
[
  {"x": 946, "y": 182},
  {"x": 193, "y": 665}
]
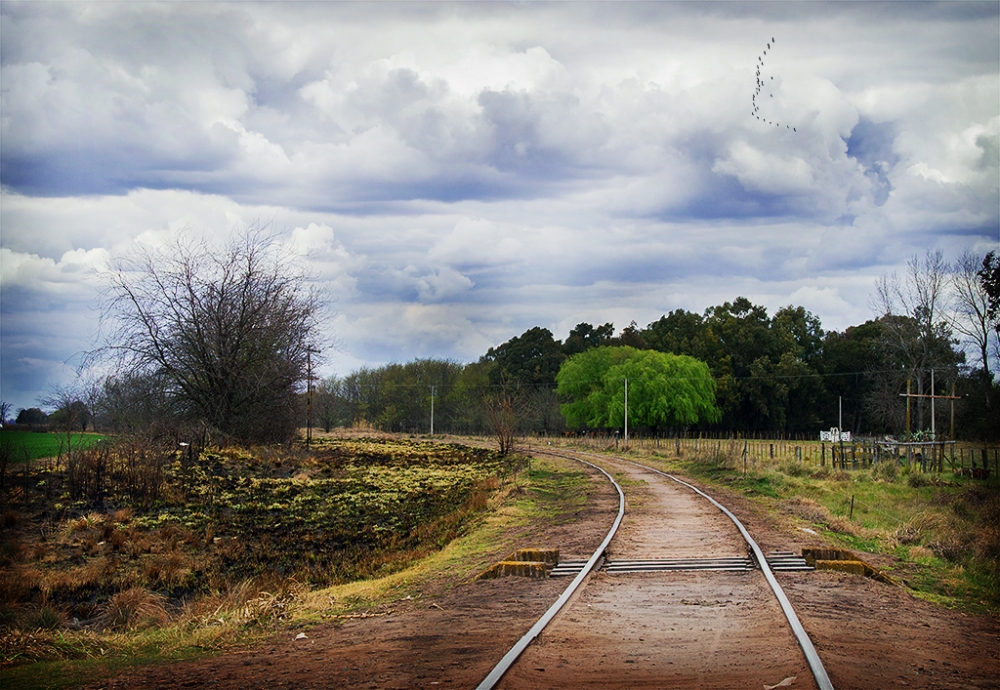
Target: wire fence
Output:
[{"x": 964, "y": 458}]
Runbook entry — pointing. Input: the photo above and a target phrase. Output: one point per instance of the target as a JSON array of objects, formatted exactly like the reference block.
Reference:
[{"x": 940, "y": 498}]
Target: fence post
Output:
[{"x": 822, "y": 454}]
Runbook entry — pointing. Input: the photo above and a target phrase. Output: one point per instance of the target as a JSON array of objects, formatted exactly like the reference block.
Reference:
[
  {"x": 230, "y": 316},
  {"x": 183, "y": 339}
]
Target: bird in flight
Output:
[{"x": 755, "y": 110}]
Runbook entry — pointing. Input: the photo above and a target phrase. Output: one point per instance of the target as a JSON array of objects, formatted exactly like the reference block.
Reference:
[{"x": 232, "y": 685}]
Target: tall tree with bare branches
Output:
[
  {"x": 970, "y": 314},
  {"x": 227, "y": 328}
]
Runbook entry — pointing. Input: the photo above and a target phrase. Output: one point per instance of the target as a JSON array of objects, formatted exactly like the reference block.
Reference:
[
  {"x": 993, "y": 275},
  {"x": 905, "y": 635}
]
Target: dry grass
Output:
[
  {"x": 168, "y": 570},
  {"x": 132, "y": 609},
  {"x": 114, "y": 570},
  {"x": 816, "y": 513}
]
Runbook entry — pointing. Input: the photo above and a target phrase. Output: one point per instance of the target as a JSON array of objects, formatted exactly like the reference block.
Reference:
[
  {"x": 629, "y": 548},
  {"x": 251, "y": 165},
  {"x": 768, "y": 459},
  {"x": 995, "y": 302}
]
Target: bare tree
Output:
[
  {"x": 226, "y": 328},
  {"x": 970, "y": 308},
  {"x": 989, "y": 277},
  {"x": 915, "y": 332},
  {"x": 330, "y": 403},
  {"x": 504, "y": 405}
]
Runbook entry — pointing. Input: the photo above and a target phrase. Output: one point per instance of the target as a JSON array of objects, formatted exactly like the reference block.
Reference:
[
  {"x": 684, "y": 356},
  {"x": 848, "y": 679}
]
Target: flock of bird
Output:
[{"x": 760, "y": 90}]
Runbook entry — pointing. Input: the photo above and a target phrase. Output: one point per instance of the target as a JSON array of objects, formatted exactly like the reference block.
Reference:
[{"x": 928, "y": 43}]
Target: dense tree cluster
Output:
[{"x": 775, "y": 374}]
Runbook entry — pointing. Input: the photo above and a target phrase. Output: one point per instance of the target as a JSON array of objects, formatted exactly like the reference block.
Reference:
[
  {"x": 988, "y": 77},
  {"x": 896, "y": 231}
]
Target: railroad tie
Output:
[{"x": 781, "y": 561}]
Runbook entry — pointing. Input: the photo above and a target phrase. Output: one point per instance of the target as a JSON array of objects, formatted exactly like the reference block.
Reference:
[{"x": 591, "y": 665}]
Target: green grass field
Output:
[{"x": 33, "y": 445}]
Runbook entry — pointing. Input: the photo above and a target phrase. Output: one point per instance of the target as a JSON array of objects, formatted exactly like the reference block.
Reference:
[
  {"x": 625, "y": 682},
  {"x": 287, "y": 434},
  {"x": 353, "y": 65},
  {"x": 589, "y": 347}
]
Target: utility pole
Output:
[
  {"x": 840, "y": 413},
  {"x": 432, "y": 409},
  {"x": 626, "y": 413},
  {"x": 908, "y": 396},
  {"x": 951, "y": 436},
  {"x": 933, "y": 416},
  {"x": 309, "y": 396},
  {"x": 932, "y": 396}
]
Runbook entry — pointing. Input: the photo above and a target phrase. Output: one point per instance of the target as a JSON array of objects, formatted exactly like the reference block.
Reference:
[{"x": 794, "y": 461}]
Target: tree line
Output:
[
  {"x": 203, "y": 340},
  {"x": 776, "y": 373}
]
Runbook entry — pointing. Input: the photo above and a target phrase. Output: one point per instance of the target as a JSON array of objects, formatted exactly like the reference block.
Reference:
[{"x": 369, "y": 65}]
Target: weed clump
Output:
[
  {"x": 793, "y": 468},
  {"x": 132, "y": 609},
  {"x": 818, "y": 514},
  {"x": 885, "y": 471},
  {"x": 47, "y": 618}
]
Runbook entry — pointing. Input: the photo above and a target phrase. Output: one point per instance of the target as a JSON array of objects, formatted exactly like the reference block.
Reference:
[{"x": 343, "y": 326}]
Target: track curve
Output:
[
  {"x": 510, "y": 657},
  {"x": 592, "y": 633}
]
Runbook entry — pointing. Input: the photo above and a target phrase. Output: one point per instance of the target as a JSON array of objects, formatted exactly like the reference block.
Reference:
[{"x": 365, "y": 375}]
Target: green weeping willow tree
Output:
[{"x": 664, "y": 389}]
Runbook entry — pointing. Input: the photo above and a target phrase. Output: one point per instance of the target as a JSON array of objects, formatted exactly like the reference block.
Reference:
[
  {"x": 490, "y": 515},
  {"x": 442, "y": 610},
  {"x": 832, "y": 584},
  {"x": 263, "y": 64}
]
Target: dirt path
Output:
[{"x": 670, "y": 629}]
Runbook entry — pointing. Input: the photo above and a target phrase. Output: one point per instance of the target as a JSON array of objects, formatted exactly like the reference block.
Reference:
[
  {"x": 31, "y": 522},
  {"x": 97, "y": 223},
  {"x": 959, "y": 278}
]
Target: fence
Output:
[{"x": 859, "y": 453}]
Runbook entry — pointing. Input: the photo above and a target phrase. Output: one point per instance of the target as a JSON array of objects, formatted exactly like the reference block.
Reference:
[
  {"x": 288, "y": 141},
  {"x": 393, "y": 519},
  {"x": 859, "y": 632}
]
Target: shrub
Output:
[
  {"x": 821, "y": 472},
  {"x": 793, "y": 468},
  {"x": 885, "y": 471},
  {"x": 46, "y": 619},
  {"x": 134, "y": 608}
]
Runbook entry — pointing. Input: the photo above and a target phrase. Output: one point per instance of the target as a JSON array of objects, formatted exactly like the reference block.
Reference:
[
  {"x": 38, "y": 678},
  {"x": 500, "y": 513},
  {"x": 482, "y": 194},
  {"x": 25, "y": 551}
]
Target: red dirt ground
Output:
[{"x": 717, "y": 630}]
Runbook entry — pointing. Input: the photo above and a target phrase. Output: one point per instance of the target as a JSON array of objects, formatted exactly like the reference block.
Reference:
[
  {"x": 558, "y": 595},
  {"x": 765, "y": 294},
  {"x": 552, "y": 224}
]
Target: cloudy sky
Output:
[{"x": 454, "y": 174}]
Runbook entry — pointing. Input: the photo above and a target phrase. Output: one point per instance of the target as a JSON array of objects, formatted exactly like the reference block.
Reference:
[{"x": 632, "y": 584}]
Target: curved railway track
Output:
[{"x": 756, "y": 559}]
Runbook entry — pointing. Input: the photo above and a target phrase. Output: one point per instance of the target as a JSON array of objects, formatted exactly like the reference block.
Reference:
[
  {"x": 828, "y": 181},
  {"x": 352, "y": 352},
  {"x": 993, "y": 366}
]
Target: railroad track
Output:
[
  {"x": 779, "y": 562},
  {"x": 580, "y": 570}
]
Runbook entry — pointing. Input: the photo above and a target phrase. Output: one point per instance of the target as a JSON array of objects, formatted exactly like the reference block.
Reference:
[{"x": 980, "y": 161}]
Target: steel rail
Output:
[
  {"x": 812, "y": 657},
  {"x": 510, "y": 657}
]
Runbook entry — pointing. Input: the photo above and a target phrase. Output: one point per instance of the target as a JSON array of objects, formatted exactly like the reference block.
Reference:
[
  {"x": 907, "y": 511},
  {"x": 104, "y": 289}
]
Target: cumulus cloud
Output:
[
  {"x": 452, "y": 174},
  {"x": 476, "y": 243},
  {"x": 75, "y": 270}
]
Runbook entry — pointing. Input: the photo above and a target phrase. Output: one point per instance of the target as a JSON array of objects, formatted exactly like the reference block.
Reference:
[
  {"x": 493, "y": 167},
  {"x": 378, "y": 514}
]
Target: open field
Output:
[
  {"x": 33, "y": 445},
  {"x": 230, "y": 546}
]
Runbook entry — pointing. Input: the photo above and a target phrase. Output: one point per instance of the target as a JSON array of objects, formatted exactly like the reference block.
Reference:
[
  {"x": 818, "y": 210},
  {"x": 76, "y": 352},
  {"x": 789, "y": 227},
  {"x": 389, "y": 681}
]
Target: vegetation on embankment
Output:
[
  {"x": 119, "y": 587},
  {"x": 940, "y": 532}
]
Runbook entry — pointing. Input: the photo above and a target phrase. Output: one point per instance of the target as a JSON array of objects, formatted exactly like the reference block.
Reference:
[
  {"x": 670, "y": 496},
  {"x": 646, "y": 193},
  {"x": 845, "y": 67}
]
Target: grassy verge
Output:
[
  {"x": 938, "y": 533},
  {"x": 247, "y": 613}
]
